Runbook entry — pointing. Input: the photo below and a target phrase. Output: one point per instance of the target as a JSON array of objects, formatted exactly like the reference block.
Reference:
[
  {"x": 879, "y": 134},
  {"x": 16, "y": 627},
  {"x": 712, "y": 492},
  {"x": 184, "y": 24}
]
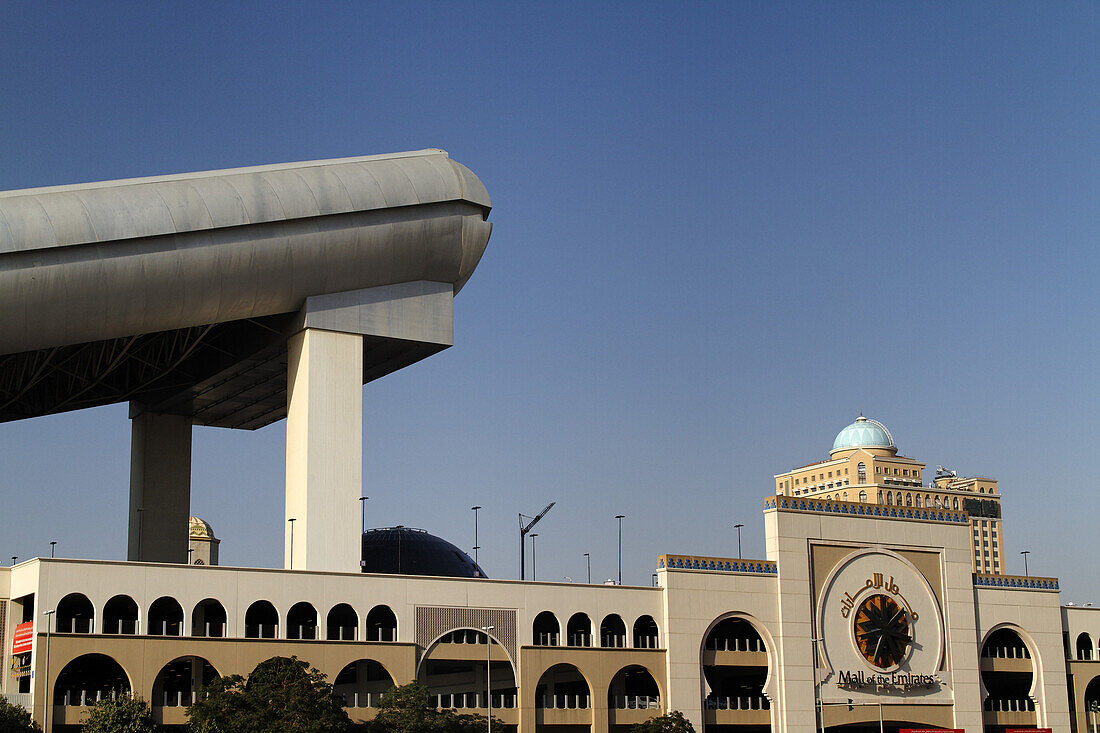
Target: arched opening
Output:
[
  {"x": 908, "y": 499},
  {"x": 645, "y": 633},
  {"x": 735, "y": 669},
  {"x": 1092, "y": 701},
  {"x": 918, "y": 501},
  {"x": 889, "y": 498},
  {"x": 75, "y": 614},
  {"x": 261, "y": 621},
  {"x": 578, "y": 632},
  {"x": 613, "y": 631},
  {"x": 178, "y": 683},
  {"x": 1006, "y": 680},
  {"x": 955, "y": 502},
  {"x": 120, "y": 616},
  {"x": 342, "y": 623},
  {"x": 861, "y": 472},
  {"x": 301, "y": 621},
  {"x": 88, "y": 678},
  {"x": 455, "y": 671},
  {"x": 208, "y": 619},
  {"x": 545, "y": 629},
  {"x": 165, "y": 618},
  {"x": 1084, "y": 646},
  {"x": 381, "y": 624},
  {"x": 361, "y": 683},
  {"x": 863, "y": 497},
  {"x": 633, "y": 688},
  {"x": 562, "y": 687}
]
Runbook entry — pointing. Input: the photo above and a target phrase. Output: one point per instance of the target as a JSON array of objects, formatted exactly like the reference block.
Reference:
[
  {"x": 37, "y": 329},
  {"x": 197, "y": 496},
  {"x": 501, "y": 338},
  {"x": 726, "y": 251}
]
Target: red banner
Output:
[
  {"x": 1030, "y": 730},
  {"x": 24, "y": 636},
  {"x": 932, "y": 730}
]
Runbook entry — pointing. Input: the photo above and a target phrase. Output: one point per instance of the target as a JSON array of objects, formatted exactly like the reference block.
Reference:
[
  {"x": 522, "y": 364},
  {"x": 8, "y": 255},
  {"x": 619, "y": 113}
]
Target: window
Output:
[
  {"x": 918, "y": 500},
  {"x": 863, "y": 496},
  {"x": 908, "y": 500},
  {"x": 889, "y": 498},
  {"x": 861, "y": 472}
]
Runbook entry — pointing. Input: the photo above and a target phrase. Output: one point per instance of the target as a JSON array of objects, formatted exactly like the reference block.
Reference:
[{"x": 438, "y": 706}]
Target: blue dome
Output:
[{"x": 864, "y": 433}]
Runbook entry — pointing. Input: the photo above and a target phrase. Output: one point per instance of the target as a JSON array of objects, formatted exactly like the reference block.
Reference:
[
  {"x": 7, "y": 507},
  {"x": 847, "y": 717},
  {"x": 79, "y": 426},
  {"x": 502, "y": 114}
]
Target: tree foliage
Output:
[
  {"x": 406, "y": 709},
  {"x": 281, "y": 694},
  {"x": 673, "y": 722},
  {"x": 14, "y": 719},
  {"x": 124, "y": 714}
]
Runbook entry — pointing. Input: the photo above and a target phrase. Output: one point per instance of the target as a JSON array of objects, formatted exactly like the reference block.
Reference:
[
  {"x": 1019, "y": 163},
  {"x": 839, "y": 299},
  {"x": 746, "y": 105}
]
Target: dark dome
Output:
[{"x": 408, "y": 551}]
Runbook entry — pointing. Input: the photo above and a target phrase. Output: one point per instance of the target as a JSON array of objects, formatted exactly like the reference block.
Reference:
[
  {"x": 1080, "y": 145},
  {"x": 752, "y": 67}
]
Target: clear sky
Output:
[{"x": 720, "y": 230}]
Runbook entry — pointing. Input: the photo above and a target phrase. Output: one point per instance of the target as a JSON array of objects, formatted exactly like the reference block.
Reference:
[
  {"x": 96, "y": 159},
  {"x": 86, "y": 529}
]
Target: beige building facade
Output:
[{"x": 865, "y": 615}]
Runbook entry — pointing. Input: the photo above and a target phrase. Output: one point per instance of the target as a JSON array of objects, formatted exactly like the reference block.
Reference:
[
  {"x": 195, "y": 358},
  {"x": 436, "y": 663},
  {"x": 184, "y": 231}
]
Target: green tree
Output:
[
  {"x": 673, "y": 722},
  {"x": 124, "y": 714},
  {"x": 406, "y": 709},
  {"x": 281, "y": 694},
  {"x": 14, "y": 719}
]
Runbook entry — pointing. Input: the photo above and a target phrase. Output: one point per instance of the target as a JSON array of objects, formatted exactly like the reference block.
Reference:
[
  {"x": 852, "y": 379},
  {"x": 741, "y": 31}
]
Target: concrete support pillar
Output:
[
  {"x": 324, "y": 450},
  {"x": 160, "y": 487}
]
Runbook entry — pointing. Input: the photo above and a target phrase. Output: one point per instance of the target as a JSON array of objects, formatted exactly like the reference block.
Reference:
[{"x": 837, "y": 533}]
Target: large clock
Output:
[{"x": 882, "y": 631}]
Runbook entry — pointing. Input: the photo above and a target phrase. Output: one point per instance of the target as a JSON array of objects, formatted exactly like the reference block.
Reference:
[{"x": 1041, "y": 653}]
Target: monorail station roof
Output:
[{"x": 178, "y": 293}]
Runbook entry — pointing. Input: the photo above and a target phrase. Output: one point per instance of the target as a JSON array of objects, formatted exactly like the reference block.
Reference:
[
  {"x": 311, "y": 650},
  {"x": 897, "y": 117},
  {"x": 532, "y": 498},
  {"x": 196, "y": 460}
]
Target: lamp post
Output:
[
  {"x": 53, "y": 546},
  {"x": 533, "y": 536},
  {"x": 620, "y": 517},
  {"x": 190, "y": 553},
  {"x": 46, "y": 715},
  {"x": 363, "y": 510},
  {"x": 13, "y": 559},
  {"x": 141, "y": 517},
  {"x": 738, "y": 528},
  {"x": 291, "y": 522},
  {"x": 1025, "y": 553},
  {"x": 477, "y": 547},
  {"x": 588, "y": 557},
  {"x": 817, "y": 693},
  {"x": 489, "y": 676}
]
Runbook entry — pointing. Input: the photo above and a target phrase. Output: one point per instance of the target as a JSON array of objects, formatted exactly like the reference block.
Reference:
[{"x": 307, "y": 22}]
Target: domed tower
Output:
[
  {"x": 201, "y": 543},
  {"x": 863, "y": 466}
]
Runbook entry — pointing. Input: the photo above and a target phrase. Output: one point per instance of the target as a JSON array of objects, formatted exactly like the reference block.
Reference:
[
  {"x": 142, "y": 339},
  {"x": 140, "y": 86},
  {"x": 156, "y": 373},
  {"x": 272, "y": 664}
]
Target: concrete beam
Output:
[
  {"x": 324, "y": 429},
  {"x": 160, "y": 487}
]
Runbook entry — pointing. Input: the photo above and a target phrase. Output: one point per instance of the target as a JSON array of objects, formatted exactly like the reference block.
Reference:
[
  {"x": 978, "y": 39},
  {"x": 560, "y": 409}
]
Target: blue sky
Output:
[{"x": 720, "y": 230}]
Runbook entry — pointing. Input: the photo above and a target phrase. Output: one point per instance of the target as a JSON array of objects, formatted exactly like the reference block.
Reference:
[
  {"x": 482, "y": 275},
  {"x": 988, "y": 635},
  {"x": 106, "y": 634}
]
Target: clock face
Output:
[{"x": 882, "y": 631}]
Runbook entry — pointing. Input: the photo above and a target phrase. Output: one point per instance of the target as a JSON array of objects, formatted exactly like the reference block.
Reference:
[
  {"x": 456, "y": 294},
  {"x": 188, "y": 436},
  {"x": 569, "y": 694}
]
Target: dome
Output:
[
  {"x": 864, "y": 433},
  {"x": 199, "y": 529},
  {"x": 408, "y": 551}
]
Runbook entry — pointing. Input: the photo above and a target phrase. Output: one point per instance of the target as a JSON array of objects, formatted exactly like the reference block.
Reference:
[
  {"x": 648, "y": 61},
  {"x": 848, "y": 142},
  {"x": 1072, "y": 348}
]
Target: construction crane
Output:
[{"x": 523, "y": 530}]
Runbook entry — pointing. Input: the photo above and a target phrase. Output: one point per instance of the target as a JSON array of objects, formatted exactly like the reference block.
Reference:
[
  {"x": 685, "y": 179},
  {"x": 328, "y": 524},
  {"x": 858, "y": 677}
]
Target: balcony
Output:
[
  {"x": 1014, "y": 711},
  {"x": 739, "y": 710}
]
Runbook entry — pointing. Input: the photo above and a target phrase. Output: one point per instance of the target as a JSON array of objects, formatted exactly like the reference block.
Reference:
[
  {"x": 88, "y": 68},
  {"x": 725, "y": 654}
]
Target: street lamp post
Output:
[
  {"x": 477, "y": 546},
  {"x": 13, "y": 559},
  {"x": 363, "y": 510},
  {"x": 533, "y": 536},
  {"x": 588, "y": 557},
  {"x": 190, "y": 552},
  {"x": 46, "y": 720},
  {"x": 817, "y": 693},
  {"x": 141, "y": 517},
  {"x": 53, "y": 546},
  {"x": 738, "y": 528},
  {"x": 291, "y": 522},
  {"x": 620, "y": 517},
  {"x": 489, "y": 676},
  {"x": 1025, "y": 553}
]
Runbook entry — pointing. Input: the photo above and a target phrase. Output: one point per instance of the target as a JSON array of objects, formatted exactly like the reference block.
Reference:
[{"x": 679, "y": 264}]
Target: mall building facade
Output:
[{"x": 877, "y": 601}]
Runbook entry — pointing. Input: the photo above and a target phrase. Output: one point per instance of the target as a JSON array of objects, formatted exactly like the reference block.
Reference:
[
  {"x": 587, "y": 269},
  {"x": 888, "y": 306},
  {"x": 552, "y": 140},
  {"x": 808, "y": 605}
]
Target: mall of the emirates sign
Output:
[{"x": 881, "y": 630}]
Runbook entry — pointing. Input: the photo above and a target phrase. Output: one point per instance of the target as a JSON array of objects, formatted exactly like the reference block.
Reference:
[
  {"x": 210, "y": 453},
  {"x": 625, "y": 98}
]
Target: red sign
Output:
[
  {"x": 21, "y": 641},
  {"x": 1030, "y": 730},
  {"x": 932, "y": 730}
]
